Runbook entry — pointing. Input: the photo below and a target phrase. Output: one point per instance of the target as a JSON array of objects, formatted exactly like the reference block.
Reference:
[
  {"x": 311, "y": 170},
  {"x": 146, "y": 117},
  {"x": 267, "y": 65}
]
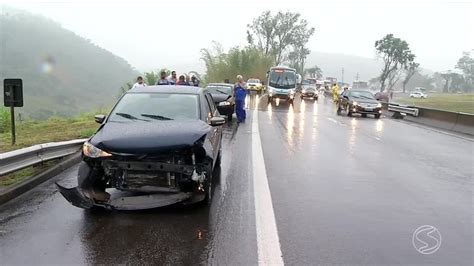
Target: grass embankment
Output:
[
  {"x": 31, "y": 132},
  {"x": 443, "y": 101},
  {"x": 19, "y": 176}
]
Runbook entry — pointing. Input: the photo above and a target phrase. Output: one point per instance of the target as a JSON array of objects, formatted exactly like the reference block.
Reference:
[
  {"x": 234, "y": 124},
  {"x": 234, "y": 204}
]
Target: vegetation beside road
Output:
[
  {"x": 19, "y": 176},
  {"x": 462, "y": 102},
  {"x": 32, "y": 132}
]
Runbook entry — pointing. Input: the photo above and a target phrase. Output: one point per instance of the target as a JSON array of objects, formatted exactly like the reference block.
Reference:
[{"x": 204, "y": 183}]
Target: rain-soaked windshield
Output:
[
  {"x": 156, "y": 106},
  {"x": 362, "y": 95},
  {"x": 282, "y": 79}
]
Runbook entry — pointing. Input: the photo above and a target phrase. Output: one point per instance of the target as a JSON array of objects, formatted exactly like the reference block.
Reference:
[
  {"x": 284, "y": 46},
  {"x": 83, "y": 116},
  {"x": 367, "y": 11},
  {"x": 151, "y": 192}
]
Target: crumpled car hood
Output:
[
  {"x": 220, "y": 97},
  {"x": 141, "y": 137}
]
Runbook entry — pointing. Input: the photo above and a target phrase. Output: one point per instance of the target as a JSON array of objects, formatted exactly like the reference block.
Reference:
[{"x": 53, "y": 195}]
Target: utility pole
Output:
[
  {"x": 342, "y": 80},
  {"x": 357, "y": 76}
]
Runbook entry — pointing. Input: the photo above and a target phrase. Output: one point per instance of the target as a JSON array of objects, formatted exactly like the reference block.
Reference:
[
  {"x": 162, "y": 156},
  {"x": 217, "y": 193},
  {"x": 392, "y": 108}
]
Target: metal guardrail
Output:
[
  {"x": 403, "y": 109},
  {"x": 22, "y": 158}
]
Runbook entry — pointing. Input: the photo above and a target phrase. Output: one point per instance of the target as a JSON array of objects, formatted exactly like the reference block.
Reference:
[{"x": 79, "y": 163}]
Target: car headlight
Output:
[
  {"x": 224, "y": 103},
  {"x": 355, "y": 103},
  {"x": 271, "y": 90},
  {"x": 304, "y": 91},
  {"x": 379, "y": 105},
  {"x": 91, "y": 151},
  {"x": 292, "y": 91}
]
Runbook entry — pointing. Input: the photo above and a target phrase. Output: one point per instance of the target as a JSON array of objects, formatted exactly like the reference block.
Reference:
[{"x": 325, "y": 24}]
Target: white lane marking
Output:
[
  {"x": 335, "y": 121},
  {"x": 268, "y": 243}
]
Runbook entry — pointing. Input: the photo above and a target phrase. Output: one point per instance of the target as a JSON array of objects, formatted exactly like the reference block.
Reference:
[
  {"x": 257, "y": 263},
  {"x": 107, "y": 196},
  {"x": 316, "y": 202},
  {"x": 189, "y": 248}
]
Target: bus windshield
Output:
[{"x": 282, "y": 79}]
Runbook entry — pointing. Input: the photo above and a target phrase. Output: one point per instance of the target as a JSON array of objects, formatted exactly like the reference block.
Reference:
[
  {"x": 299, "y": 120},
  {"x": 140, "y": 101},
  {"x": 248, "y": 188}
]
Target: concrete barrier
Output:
[
  {"x": 465, "y": 124},
  {"x": 452, "y": 121}
]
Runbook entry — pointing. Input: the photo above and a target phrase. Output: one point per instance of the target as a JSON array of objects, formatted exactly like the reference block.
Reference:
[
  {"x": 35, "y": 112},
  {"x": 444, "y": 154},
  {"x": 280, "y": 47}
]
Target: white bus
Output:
[{"x": 282, "y": 83}]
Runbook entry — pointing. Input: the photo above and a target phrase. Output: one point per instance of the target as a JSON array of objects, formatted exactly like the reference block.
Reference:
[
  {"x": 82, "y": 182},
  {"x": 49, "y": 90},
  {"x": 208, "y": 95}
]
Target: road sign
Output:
[
  {"x": 13, "y": 92},
  {"x": 13, "y": 97}
]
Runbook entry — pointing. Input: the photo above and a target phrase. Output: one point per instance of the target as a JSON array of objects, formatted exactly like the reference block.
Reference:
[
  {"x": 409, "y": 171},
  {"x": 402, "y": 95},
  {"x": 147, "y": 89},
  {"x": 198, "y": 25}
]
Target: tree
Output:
[
  {"x": 411, "y": 70},
  {"x": 395, "y": 54},
  {"x": 126, "y": 87},
  {"x": 151, "y": 77},
  {"x": 314, "y": 72},
  {"x": 279, "y": 34},
  {"x": 466, "y": 65},
  {"x": 297, "y": 56},
  {"x": 248, "y": 62},
  {"x": 262, "y": 29}
]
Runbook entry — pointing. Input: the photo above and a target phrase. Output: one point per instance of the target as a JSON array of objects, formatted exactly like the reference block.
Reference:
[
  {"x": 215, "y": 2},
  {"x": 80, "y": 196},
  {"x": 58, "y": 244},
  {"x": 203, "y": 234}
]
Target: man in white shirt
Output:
[{"x": 140, "y": 83}]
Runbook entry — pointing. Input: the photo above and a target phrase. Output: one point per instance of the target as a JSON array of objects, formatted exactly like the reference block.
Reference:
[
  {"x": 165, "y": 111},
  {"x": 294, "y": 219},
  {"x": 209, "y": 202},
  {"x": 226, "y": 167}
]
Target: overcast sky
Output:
[{"x": 153, "y": 34}]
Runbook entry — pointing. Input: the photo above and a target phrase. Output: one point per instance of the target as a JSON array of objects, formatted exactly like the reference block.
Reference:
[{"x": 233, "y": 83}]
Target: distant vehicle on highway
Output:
[
  {"x": 359, "y": 101},
  {"x": 309, "y": 89},
  {"x": 159, "y": 145},
  {"x": 357, "y": 84},
  {"x": 282, "y": 83},
  {"x": 222, "y": 94},
  {"x": 255, "y": 85},
  {"x": 418, "y": 95}
]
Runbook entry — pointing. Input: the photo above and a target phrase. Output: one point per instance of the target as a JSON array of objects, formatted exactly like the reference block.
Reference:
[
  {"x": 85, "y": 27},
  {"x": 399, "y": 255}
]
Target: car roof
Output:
[
  {"x": 360, "y": 90},
  {"x": 221, "y": 84},
  {"x": 176, "y": 89}
]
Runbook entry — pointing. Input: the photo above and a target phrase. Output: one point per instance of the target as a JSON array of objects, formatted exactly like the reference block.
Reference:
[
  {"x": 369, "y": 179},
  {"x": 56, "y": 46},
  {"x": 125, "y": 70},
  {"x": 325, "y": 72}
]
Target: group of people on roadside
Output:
[
  {"x": 240, "y": 89},
  {"x": 183, "y": 80}
]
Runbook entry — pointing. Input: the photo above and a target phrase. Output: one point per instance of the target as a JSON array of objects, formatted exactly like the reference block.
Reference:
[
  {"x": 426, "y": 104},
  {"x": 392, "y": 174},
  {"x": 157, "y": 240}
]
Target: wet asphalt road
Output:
[{"x": 344, "y": 191}]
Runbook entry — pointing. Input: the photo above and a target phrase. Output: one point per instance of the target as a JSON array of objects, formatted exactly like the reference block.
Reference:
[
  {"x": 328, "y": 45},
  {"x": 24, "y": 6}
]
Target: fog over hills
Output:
[{"x": 63, "y": 74}]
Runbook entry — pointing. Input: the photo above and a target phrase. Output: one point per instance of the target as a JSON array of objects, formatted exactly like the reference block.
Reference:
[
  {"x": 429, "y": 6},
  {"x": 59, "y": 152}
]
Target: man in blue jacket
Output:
[{"x": 240, "y": 92}]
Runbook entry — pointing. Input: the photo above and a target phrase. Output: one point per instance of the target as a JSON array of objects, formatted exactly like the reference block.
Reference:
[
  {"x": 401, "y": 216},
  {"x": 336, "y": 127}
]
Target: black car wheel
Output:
[
  {"x": 364, "y": 115},
  {"x": 349, "y": 112},
  {"x": 377, "y": 116}
]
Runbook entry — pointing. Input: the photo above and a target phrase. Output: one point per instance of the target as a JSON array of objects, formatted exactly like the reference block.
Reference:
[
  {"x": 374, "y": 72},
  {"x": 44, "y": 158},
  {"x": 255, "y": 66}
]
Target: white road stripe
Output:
[{"x": 268, "y": 243}]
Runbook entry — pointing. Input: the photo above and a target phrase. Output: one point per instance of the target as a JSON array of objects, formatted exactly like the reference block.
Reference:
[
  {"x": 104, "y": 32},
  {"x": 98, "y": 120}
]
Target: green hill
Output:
[{"x": 63, "y": 74}]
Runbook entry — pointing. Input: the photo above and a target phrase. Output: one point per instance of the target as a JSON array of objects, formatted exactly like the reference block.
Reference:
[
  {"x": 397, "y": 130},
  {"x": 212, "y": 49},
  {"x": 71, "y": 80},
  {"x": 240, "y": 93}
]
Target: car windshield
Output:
[
  {"x": 282, "y": 79},
  {"x": 220, "y": 89},
  {"x": 362, "y": 95},
  {"x": 305, "y": 82},
  {"x": 253, "y": 81},
  {"x": 156, "y": 106}
]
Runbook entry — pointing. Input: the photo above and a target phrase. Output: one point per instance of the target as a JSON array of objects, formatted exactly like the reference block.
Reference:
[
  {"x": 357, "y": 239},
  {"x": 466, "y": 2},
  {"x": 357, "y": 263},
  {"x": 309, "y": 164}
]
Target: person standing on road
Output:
[
  {"x": 139, "y": 83},
  {"x": 335, "y": 92},
  {"x": 173, "y": 80},
  {"x": 163, "y": 80},
  {"x": 182, "y": 81},
  {"x": 240, "y": 92},
  {"x": 194, "y": 81}
]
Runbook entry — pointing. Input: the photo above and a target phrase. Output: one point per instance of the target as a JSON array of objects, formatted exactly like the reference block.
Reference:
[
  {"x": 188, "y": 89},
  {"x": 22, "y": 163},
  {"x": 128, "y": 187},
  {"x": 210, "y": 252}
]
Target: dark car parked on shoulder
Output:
[
  {"x": 222, "y": 93},
  {"x": 359, "y": 101},
  {"x": 158, "y": 146}
]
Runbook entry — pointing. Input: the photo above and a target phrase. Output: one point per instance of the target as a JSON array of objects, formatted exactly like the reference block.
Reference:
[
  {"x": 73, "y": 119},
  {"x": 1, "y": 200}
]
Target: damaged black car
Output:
[{"x": 159, "y": 146}]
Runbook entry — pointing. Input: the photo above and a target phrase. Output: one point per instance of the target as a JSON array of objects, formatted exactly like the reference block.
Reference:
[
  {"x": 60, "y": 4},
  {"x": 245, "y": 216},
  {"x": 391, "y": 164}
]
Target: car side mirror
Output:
[
  {"x": 99, "y": 118},
  {"x": 217, "y": 121}
]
